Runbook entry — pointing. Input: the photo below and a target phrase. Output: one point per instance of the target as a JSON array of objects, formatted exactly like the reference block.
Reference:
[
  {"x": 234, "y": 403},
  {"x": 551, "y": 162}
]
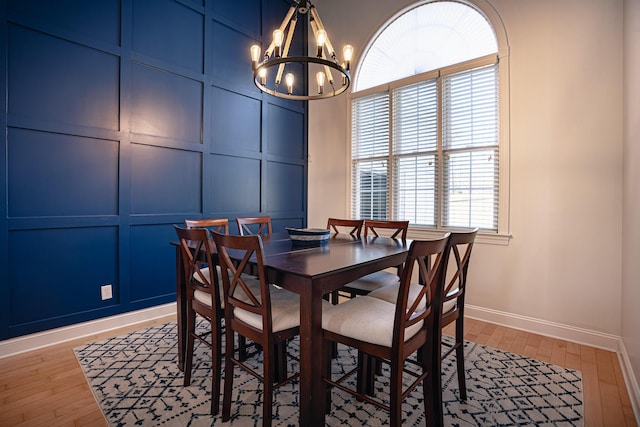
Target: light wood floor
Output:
[{"x": 47, "y": 387}]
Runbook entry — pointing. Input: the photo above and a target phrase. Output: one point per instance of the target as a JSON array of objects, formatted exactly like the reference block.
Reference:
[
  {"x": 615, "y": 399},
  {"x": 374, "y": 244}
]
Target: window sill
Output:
[{"x": 483, "y": 237}]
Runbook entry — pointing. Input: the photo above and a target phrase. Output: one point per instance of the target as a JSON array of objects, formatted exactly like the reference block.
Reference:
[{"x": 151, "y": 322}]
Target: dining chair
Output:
[
  {"x": 351, "y": 226},
  {"x": 266, "y": 315},
  {"x": 254, "y": 225},
  {"x": 378, "y": 279},
  {"x": 203, "y": 298},
  {"x": 453, "y": 295},
  {"x": 393, "y": 333}
]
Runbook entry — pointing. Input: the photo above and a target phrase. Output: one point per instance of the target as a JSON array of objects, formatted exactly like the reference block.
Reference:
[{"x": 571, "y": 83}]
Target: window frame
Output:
[{"x": 502, "y": 235}]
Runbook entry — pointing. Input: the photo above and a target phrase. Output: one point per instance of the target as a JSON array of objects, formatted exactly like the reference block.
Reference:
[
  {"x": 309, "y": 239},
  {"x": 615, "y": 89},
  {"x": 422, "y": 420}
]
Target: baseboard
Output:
[
  {"x": 630, "y": 380},
  {"x": 38, "y": 340},
  {"x": 542, "y": 327}
]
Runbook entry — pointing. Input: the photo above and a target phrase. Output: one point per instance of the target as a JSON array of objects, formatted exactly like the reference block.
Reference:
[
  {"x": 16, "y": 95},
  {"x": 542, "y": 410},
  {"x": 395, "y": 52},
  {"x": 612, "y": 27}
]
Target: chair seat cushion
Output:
[
  {"x": 366, "y": 319},
  {"x": 374, "y": 281},
  {"x": 285, "y": 311},
  {"x": 390, "y": 294}
]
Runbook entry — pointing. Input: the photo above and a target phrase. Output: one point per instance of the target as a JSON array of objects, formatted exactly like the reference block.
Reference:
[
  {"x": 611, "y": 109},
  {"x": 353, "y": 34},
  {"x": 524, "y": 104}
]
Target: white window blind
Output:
[
  {"x": 370, "y": 156},
  {"x": 470, "y": 148},
  {"x": 438, "y": 167},
  {"x": 415, "y": 145}
]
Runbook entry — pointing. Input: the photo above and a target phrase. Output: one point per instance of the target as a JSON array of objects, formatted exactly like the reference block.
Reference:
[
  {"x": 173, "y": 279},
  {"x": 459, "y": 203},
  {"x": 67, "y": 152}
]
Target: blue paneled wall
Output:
[{"x": 121, "y": 118}]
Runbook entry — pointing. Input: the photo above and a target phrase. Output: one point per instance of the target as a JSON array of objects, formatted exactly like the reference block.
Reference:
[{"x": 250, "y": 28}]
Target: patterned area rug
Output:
[{"x": 136, "y": 380}]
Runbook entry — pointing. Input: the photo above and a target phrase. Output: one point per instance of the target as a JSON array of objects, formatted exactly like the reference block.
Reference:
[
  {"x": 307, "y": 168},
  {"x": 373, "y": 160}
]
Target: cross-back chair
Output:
[
  {"x": 453, "y": 295},
  {"x": 393, "y": 333},
  {"x": 254, "y": 225},
  {"x": 265, "y": 314},
  {"x": 203, "y": 298}
]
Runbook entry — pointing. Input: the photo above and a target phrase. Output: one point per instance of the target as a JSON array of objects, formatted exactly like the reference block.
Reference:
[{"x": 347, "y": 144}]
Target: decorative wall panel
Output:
[
  {"x": 124, "y": 117},
  {"x": 55, "y": 80},
  {"x": 61, "y": 175}
]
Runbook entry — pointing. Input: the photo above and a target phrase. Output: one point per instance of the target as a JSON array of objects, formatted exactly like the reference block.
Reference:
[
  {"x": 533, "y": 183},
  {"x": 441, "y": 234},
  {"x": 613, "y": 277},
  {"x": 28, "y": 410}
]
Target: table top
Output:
[{"x": 339, "y": 253}]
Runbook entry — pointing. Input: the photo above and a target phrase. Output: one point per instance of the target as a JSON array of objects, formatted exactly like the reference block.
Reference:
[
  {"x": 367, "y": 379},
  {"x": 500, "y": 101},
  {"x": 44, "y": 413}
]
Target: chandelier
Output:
[{"x": 331, "y": 78}]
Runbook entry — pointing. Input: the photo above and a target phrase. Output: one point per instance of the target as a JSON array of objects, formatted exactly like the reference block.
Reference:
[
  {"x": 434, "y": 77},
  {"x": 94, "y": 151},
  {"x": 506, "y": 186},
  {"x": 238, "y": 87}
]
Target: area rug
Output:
[{"x": 136, "y": 381}]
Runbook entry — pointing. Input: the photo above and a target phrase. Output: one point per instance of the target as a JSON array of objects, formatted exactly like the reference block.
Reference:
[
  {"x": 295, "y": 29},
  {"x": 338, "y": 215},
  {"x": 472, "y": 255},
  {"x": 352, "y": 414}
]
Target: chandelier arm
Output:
[
  {"x": 287, "y": 45},
  {"x": 327, "y": 71},
  {"x": 316, "y": 17},
  {"x": 283, "y": 25}
]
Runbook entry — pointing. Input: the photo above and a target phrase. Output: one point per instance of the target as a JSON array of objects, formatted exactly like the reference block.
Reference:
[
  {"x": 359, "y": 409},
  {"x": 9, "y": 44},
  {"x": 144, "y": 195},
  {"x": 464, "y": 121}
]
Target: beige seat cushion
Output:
[
  {"x": 374, "y": 281},
  {"x": 366, "y": 319},
  {"x": 285, "y": 311}
]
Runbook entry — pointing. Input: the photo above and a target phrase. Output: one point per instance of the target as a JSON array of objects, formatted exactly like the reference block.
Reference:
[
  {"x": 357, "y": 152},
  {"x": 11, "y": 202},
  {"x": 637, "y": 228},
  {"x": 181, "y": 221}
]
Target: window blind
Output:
[
  {"x": 427, "y": 152},
  {"x": 415, "y": 145},
  {"x": 370, "y": 151},
  {"x": 470, "y": 148}
]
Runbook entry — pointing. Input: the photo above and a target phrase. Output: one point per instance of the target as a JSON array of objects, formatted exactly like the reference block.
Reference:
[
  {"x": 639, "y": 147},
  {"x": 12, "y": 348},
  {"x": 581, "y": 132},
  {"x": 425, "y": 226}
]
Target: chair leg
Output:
[
  {"x": 188, "y": 352},
  {"x": 280, "y": 362},
  {"x": 462, "y": 386},
  {"x": 395, "y": 393},
  {"x": 216, "y": 365},
  {"x": 328, "y": 355},
  {"x": 228, "y": 374},
  {"x": 268, "y": 369},
  {"x": 432, "y": 389}
]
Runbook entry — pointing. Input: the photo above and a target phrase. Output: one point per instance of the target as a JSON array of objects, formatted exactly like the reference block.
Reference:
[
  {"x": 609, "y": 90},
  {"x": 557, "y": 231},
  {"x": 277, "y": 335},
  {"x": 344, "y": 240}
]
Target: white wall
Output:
[
  {"x": 563, "y": 266},
  {"x": 631, "y": 206}
]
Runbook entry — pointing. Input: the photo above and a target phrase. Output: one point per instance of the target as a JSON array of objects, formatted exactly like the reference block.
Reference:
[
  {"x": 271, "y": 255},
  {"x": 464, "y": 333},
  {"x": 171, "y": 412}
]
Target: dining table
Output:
[{"x": 311, "y": 271}]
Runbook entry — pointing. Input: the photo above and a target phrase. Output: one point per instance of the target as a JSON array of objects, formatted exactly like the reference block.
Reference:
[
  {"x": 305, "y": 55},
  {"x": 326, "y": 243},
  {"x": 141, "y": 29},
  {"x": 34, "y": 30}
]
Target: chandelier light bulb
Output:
[
  {"x": 263, "y": 76},
  {"x": 289, "y": 80},
  {"x": 255, "y": 55},
  {"x": 278, "y": 37},
  {"x": 321, "y": 39},
  {"x": 320, "y": 80},
  {"x": 347, "y": 52}
]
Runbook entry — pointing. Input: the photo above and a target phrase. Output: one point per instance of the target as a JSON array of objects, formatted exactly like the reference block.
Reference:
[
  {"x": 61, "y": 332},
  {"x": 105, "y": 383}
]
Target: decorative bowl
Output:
[{"x": 308, "y": 236}]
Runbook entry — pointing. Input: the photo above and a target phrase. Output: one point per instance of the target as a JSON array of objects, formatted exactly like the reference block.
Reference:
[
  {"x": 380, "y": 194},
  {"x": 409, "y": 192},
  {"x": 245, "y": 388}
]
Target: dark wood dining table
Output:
[{"x": 311, "y": 272}]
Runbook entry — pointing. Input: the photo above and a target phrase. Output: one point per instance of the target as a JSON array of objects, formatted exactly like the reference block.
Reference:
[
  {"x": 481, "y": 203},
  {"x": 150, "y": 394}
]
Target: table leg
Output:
[{"x": 312, "y": 390}]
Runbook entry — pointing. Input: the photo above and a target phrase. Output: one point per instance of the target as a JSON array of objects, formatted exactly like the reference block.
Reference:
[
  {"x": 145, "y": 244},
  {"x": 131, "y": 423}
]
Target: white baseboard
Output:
[
  {"x": 630, "y": 380},
  {"x": 542, "y": 327},
  {"x": 38, "y": 340}
]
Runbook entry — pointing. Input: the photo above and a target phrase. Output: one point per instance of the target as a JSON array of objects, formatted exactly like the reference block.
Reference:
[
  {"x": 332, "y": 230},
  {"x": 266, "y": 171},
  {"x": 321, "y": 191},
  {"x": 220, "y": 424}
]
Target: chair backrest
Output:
[
  {"x": 430, "y": 257},
  {"x": 260, "y": 225},
  {"x": 237, "y": 294},
  {"x": 372, "y": 226},
  {"x": 353, "y": 226},
  {"x": 219, "y": 225},
  {"x": 199, "y": 269},
  {"x": 460, "y": 246}
]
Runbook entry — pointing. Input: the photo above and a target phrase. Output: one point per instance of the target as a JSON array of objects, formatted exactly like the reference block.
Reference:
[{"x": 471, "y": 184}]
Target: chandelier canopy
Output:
[{"x": 332, "y": 78}]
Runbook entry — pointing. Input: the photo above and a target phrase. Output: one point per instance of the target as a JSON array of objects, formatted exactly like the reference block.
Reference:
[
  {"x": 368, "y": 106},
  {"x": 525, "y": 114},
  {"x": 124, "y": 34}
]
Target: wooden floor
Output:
[{"x": 47, "y": 387}]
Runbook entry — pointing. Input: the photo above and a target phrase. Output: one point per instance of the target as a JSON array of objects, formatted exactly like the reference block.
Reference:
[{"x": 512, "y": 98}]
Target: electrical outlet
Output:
[{"x": 106, "y": 291}]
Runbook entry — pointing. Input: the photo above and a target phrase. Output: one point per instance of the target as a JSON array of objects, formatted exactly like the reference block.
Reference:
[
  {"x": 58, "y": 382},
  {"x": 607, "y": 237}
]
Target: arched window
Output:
[{"x": 426, "y": 121}]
